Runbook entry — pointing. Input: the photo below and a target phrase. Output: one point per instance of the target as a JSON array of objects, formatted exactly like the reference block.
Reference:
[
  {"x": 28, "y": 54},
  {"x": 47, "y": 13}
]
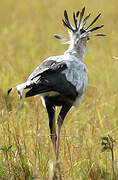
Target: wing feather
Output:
[
  {"x": 53, "y": 81},
  {"x": 49, "y": 65},
  {"x": 48, "y": 77}
]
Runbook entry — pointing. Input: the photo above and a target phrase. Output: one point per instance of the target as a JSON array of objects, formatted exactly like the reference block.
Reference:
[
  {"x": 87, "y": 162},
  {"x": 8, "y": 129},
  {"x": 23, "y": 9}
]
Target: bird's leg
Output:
[
  {"x": 58, "y": 141},
  {"x": 62, "y": 114},
  {"x": 57, "y": 163},
  {"x": 51, "y": 115},
  {"x": 60, "y": 120}
]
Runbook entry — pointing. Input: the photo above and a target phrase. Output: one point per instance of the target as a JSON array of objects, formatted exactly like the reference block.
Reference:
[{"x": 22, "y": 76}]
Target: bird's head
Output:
[{"x": 79, "y": 35}]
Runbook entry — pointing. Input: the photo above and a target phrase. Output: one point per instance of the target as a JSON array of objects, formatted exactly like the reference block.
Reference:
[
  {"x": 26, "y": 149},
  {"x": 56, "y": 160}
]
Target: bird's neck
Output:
[{"x": 78, "y": 52}]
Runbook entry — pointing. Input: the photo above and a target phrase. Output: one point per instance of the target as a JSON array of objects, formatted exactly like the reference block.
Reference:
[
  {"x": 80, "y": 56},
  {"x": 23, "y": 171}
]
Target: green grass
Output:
[{"x": 26, "y": 39}]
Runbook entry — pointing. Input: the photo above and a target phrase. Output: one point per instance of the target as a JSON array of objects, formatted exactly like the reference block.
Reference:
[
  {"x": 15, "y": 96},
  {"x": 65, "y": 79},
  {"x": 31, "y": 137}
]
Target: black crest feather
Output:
[
  {"x": 79, "y": 24},
  {"x": 94, "y": 21},
  {"x": 81, "y": 15}
]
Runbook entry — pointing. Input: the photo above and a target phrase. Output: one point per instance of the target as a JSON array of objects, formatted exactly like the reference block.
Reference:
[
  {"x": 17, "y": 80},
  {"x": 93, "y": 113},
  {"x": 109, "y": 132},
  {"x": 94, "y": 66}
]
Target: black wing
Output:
[{"x": 49, "y": 77}]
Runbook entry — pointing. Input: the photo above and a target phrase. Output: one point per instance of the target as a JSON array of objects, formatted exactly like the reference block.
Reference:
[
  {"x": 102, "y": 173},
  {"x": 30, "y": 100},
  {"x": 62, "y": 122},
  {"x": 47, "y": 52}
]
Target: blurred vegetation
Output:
[{"x": 26, "y": 39}]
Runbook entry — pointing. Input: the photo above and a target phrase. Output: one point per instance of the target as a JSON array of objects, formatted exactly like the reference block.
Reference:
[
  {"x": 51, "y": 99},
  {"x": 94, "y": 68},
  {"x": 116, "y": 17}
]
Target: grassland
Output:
[{"x": 26, "y": 39}]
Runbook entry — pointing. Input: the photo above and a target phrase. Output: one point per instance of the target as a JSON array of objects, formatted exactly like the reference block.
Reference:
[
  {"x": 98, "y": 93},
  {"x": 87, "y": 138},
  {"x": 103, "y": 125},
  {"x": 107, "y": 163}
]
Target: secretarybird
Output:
[{"x": 62, "y": 80}]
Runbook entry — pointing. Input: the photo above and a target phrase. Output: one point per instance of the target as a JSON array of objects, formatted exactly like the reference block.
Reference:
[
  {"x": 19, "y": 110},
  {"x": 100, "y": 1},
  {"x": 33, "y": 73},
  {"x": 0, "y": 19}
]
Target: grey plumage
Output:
[
  {"x": 62, "y": 80},
  {"x": 70, "y": 64}
]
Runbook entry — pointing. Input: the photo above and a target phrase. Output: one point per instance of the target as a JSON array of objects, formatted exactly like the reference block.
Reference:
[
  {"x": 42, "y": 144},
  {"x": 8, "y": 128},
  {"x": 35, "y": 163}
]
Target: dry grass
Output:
[{"x": 26, "y": 39}]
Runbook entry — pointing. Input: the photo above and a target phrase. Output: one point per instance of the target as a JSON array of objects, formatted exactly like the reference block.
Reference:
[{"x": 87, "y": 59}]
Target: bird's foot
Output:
[{"x": 57, "y": 167}]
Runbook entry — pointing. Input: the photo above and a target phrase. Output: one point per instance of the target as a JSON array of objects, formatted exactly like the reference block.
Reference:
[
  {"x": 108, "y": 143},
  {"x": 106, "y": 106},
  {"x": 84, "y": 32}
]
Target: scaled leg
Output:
[{"x": 51, "y": 115}]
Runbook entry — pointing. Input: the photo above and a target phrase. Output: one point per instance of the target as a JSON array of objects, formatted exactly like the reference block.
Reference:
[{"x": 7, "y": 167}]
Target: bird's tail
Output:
[{"x": 20, "y": 88}]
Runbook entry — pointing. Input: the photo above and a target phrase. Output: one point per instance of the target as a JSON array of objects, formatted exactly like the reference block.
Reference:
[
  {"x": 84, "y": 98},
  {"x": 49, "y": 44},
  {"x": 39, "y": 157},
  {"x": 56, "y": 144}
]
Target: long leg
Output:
[
  {"x": 62, "y": 114},
  {"x": 64, "y": 110},
  {"x": 51, "y": 116}
]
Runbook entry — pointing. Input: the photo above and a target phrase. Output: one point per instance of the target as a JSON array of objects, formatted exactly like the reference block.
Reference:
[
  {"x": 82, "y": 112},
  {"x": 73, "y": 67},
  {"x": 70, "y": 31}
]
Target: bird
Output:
[{"x": 62, "y": 80}]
